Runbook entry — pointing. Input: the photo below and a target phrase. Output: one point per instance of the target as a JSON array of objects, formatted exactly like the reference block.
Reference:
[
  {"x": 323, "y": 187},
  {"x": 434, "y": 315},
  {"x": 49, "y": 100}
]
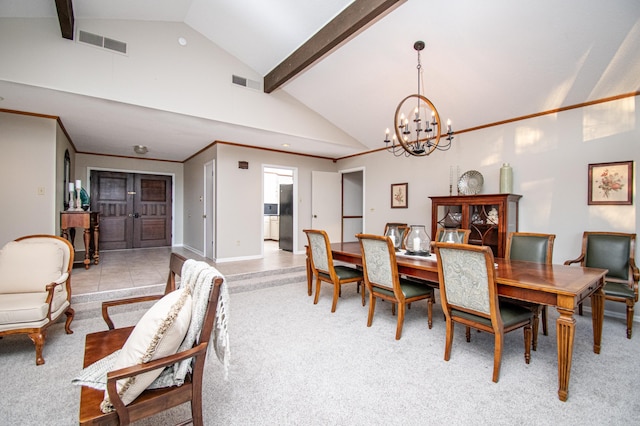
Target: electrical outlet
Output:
[
  {"x": 41, "y": 190},
  {"x": 238, "y": 243}
]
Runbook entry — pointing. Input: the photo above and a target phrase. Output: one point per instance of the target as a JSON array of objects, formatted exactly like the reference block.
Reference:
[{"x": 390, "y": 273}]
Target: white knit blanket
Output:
[{"x": 199, "y": 276}]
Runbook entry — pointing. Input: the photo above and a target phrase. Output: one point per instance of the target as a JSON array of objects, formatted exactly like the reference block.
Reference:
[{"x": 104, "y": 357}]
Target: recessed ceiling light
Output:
[
  {"x": 182, "y": 41},
  {"x": 285, "y": 145},
  {"x": 140, "y": 149}
]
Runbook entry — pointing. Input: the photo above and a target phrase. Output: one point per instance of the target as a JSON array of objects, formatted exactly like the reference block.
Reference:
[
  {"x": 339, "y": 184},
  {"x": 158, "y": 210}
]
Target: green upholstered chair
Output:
[
  {"x": 532, "y": 247},
  {"x": 615, "y": 251},
  {"x": 469, "y": 296},
  {"x": 322, "y": 267},
  {"x": 383, "y": 281}
]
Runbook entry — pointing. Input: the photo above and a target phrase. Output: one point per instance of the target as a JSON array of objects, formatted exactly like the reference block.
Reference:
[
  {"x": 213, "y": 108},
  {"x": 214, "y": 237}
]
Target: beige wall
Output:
[
  {"x": 28, "y": 177},
  {"x": 239, "y": 199}
]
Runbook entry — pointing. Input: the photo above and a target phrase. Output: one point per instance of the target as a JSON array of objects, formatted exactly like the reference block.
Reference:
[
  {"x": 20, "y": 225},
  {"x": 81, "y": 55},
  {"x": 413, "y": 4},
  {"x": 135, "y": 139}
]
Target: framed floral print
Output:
[
  {"x": 399, "y": 195},
  {"x": 611, "y": 183}
]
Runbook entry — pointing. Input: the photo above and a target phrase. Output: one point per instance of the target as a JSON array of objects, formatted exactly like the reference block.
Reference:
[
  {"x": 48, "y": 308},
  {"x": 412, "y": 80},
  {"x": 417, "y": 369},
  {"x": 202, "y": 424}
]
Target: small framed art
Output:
[
  {"x": 399, "y": 195},
  {"x": 611, "y": 183}
]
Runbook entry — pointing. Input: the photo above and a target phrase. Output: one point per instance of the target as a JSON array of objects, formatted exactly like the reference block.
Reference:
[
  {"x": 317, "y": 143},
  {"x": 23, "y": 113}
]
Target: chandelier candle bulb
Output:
[
  {"x": 78, "y": 184},
  {"x": 71, "y": 188}
]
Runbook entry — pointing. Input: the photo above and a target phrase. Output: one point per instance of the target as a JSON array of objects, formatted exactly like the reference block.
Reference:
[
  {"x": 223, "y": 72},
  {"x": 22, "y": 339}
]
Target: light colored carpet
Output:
[{"x": 295, "y": 363}]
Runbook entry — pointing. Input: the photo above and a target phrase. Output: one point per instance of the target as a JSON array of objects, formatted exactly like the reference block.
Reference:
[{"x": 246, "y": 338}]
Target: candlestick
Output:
[
  {"x": 78, "y": 184},
  {"x": 71, "y": 189},
  {"x": 78, "y": 200}
]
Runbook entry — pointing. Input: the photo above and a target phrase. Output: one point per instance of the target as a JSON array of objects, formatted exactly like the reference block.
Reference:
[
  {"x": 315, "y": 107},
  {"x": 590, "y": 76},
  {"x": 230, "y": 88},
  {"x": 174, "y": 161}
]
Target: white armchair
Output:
[{"x": 35, "y": 287}]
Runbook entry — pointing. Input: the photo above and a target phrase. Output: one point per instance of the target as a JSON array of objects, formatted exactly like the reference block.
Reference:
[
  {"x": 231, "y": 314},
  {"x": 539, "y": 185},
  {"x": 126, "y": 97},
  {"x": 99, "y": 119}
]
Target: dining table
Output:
[{"x": 549, "y": 284}]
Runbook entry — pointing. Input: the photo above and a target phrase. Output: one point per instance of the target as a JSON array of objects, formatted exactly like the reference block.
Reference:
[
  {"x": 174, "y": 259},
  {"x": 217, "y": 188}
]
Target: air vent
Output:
[
  {"x": 103, "y": 42},
  {"x": 245, "y": 82}
]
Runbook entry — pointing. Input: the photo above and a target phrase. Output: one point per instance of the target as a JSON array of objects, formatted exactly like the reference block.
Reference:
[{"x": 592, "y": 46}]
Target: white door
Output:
[
  {"x": 326, "y": 203},
  {"x": 208, "y": 213}
]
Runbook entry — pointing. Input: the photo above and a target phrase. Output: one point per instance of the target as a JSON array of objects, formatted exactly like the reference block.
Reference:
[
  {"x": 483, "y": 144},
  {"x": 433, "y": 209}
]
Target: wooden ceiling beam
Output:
[
  {"x": 65, "y": 16},
  {"x": 353, "y": 18}
]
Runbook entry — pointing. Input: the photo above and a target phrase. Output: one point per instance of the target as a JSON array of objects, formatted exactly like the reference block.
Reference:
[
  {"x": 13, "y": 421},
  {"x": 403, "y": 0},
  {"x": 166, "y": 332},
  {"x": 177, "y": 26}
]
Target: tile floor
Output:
[{"x": 119, "y": 269}]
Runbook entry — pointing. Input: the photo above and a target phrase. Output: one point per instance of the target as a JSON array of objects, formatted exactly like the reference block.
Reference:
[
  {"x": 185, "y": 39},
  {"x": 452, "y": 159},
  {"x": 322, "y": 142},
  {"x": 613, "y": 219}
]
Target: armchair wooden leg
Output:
[
  {"x": 401, "y": 310},
  {"x": 527, "y": 343},
  {"x": 449, "y": 340},
  {"x": 497, "y": 356},
  {"x": 372, "y": 308},
  {"x": 362, "y": 295},
  {"x": 315, "y": 299},
  {"x": 536, "y": 319},
  {"x": 337, "y": 289},
  {"x": 70, "y": 314},
  {"x": 38, "y": 340},
  {"x": 430, "y": 312},
  {"x": 544, "y": 321},
  {"x": 580, "y": 309},
  {"x": 630, "y": 303},
  {"x": 468, "y": 333}
]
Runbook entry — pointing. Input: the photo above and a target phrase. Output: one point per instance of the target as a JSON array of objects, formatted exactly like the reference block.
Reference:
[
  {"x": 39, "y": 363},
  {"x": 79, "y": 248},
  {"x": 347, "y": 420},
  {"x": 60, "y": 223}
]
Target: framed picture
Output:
[
  {"x": 611, "y": 183},
  {"x": 399, "y": 195}
]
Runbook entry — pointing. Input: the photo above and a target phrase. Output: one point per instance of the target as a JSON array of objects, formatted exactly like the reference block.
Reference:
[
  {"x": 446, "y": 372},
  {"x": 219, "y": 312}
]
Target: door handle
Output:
[
  {"x": 136, "y": 215},
  {"x": 315, "y": 216}
]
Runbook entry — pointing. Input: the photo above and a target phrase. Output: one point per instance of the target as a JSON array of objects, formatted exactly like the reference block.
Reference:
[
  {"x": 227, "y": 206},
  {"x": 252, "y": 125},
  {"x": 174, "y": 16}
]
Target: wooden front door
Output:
[{"x": 135, "y": 209}]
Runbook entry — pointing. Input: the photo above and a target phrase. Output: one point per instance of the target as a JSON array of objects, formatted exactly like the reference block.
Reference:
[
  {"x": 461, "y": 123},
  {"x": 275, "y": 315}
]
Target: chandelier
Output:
[{"x": 423, "y": 136}]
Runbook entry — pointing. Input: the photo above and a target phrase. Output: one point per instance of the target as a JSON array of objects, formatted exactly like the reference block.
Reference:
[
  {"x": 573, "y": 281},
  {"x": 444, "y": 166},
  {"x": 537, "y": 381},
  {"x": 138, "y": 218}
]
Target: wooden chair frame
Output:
[
  {"x": 377, "y": 290},
  {"x": 38, "y": 334},
  {"x": 497, "y": 327},
  {"x": 330, "y": 275},
  {"x": 150, "y": 402},
  {"x": 633, "y": 274}
]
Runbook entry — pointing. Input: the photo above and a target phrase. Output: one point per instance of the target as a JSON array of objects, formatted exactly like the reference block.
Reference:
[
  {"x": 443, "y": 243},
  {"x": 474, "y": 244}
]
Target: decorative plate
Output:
[{"x": 470, "y": 183}]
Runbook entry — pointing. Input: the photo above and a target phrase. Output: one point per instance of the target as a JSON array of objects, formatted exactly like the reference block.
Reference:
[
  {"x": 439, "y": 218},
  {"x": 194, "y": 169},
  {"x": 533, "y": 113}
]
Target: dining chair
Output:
[
  {"x": 462, "y": 234},
  {"x": 469, "y": 296},
  {"x": 615, "y": 251},
  {"x": 532, "y": 247},
  {"x": 383, "y": 281},
  {"x": 323, "y": 268}
]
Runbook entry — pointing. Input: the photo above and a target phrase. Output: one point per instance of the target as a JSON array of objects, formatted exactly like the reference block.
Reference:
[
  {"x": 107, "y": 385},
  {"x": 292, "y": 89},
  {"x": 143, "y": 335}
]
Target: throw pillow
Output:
[{"x": 158, "y": 333}]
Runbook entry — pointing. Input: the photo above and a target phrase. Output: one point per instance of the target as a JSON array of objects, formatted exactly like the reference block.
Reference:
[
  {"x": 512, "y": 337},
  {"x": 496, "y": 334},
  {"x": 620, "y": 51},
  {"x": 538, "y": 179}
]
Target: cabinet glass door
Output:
[{"x": 483, "y": 223}]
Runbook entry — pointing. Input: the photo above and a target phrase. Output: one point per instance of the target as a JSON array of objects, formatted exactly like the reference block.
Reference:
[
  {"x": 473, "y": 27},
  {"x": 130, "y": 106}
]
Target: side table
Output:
[{"x": 90, "y": 222}]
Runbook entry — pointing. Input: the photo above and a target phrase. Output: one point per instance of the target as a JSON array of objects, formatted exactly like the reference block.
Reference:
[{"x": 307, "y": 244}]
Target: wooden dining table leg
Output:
[
  {"x": 597, "y": 316},
  {"x": 566, "y": 327}
]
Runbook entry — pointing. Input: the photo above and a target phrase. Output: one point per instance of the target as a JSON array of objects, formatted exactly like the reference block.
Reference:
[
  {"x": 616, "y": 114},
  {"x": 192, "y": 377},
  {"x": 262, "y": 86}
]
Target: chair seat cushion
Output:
[
  {"x": 344, "y": 273},
  {"x": 618, "y": 290},
  {"x": 409, "y": 289},
  {"x": 511, "y": 314},
  {"x": 158, "y": 333},
  {"x": 414, "y": 289},
  {"x": 22, "y": 308},
  {"x": 29, "y": 267}
]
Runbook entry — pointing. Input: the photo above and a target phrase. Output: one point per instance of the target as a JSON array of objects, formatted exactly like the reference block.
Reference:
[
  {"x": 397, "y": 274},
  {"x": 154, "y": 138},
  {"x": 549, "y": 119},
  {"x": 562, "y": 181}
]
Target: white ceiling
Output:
[{"x": 485, "y": 61}]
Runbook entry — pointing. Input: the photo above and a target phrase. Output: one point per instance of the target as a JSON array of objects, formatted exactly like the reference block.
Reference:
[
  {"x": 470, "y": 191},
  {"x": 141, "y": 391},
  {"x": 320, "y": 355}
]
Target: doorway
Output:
[
  {"x": 135, "y": 209},
  {"x": 279, "y": 209}
]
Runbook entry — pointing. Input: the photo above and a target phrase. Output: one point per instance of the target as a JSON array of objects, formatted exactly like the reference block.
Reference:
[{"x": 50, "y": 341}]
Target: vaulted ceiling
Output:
[{"x": 484, "y": 62}]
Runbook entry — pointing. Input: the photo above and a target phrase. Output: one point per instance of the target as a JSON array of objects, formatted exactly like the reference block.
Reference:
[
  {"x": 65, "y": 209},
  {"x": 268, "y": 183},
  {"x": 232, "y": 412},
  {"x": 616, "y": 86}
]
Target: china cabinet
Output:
[{"x": 490, "y": 217}]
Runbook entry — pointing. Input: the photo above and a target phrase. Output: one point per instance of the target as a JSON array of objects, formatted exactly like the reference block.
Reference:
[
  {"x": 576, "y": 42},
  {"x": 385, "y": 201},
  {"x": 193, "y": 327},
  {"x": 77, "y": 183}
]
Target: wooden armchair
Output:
[
  {"x": 469, "y": 295},
  {"x": 383, "y": 281},
  {"x": 150, "y": 401},
  {"x": 35, "y": 287},
  {"x": 532, "y": 247},
  {"x": 615, "y": 251},
  {"x": 323, "y": 268}
]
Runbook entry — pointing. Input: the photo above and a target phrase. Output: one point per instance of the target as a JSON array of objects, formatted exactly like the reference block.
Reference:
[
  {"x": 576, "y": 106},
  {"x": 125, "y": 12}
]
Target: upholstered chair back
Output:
[
  {"x": 319, "y": 252},
  {"x": 465, "y": 280},
  {"x": 609, "y": 251},
  {"x": 530, "y": 247},
  {"x": 379, "y": 267}
]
